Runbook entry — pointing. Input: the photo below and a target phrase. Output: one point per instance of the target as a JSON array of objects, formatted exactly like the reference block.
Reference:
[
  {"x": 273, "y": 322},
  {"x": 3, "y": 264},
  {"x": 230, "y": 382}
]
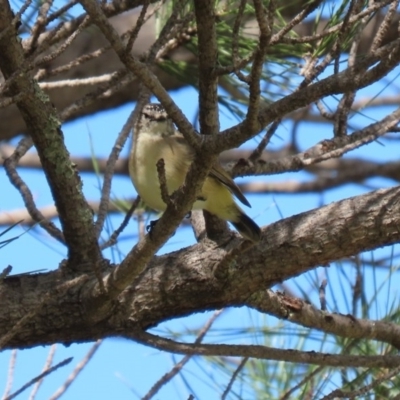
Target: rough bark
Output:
[{"x": 58, "y": 307}]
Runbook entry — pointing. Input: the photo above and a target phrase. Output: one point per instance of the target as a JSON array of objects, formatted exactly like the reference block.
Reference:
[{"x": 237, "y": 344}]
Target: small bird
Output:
[{"x": 155, "y": 137}]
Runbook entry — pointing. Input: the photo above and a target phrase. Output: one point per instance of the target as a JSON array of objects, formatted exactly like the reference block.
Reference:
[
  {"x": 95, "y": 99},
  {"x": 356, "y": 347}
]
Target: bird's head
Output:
[{"x": 154, "y": 119}]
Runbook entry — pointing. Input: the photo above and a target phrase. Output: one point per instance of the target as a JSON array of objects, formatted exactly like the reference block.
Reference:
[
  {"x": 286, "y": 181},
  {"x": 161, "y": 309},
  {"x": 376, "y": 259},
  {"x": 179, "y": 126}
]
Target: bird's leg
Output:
[{"x": 151, "y": 225}]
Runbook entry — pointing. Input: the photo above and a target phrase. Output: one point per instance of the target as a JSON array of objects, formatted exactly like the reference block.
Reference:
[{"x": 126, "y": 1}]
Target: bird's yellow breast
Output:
[{"x": 148, "y": 149}]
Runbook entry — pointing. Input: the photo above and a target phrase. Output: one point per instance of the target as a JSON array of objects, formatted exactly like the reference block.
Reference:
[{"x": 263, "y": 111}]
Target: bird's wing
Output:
[{"x": 218, "y": 173}]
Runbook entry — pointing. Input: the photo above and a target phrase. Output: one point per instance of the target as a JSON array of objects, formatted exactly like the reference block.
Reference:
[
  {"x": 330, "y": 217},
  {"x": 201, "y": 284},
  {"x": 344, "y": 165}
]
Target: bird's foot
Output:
[{"x": 150, "y": 226}]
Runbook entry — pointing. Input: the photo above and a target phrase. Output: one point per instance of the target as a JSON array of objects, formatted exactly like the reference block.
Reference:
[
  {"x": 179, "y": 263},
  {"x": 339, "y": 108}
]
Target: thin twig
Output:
[
  {"x": 175, "y": 31},
  {"x": 364, "y": 136},
  {"x": 31, "y": 61},
  {"x": 178, "y": 367},
  {"x": 44, "y": 72},
  {"x": 26, "y": 194},
  {"x": 57, "y": 14},
  {"x": 332, "y": 54},
  {"x": 139, "y": 23},
  {"x": 109, "y": 172},
  {"x": 358, "y": 286},
  {"x": 118, "y": 79},
  {"x": 347, "y": 100},
  {"x": 77, "y": 370},
  {"x": 10, "y": 100},
  {"x": 384, "y": 26},
  {"x": 336, "y": 28},
  {"x": 40, "y": 24},
  {"x": 94, "y": 80},
  {"x": 60, "y": 49},
  {"x": 41, "y": 376},
  {"x": 323, "y": 111},
  {"x": 299, "y": 312},
  {"x": 308, "y": 9},
  {"x": 47, "y": 365},
  {"x": 10, "y": 373},
  {"x": 235, "y": 32},
  {"x": 256, "y": 154},
  {"x": 113, "y": 238},
  {"x": 322, "y": 151},
  {"x": 307, "y": 378},
  {"x": 234, "y": 375}
]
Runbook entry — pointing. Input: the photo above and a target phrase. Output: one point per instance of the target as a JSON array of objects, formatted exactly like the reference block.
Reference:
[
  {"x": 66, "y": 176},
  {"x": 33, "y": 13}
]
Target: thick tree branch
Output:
[{"x": 289, "y": 248}]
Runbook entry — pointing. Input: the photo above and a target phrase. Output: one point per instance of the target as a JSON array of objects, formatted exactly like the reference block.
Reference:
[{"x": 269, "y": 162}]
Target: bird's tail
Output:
[{"x": 247, "y": 227}]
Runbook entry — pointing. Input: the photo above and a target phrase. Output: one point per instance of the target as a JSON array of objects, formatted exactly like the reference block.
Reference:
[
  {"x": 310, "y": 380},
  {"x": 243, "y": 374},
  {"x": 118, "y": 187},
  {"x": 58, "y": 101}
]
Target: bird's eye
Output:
[
  {"x": 147, "y": 116},
  {"x": 152, "y": 117}
]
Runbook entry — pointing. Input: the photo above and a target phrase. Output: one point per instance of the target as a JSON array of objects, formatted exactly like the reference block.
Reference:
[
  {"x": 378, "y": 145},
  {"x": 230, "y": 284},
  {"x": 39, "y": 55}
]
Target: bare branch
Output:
[
  {"x": 300, "y": 312},
  {"x": 234, "y": 375},
  {"x": 265, "y": 21},
  {"x": 208, "y": 79},
  {"x": 256, "y": 154},
  {"x": 10, "y": 373},
  {"x": 113, "y": 238},
  {"x": 322, "y": 151},
  {"x": 109, "y": 172},
  {"x": 10, "y": 167},
  {"x": 309, "y": 376},
  {"x": 47, "y": 365},
  {"x": 266, "y": 353}
]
